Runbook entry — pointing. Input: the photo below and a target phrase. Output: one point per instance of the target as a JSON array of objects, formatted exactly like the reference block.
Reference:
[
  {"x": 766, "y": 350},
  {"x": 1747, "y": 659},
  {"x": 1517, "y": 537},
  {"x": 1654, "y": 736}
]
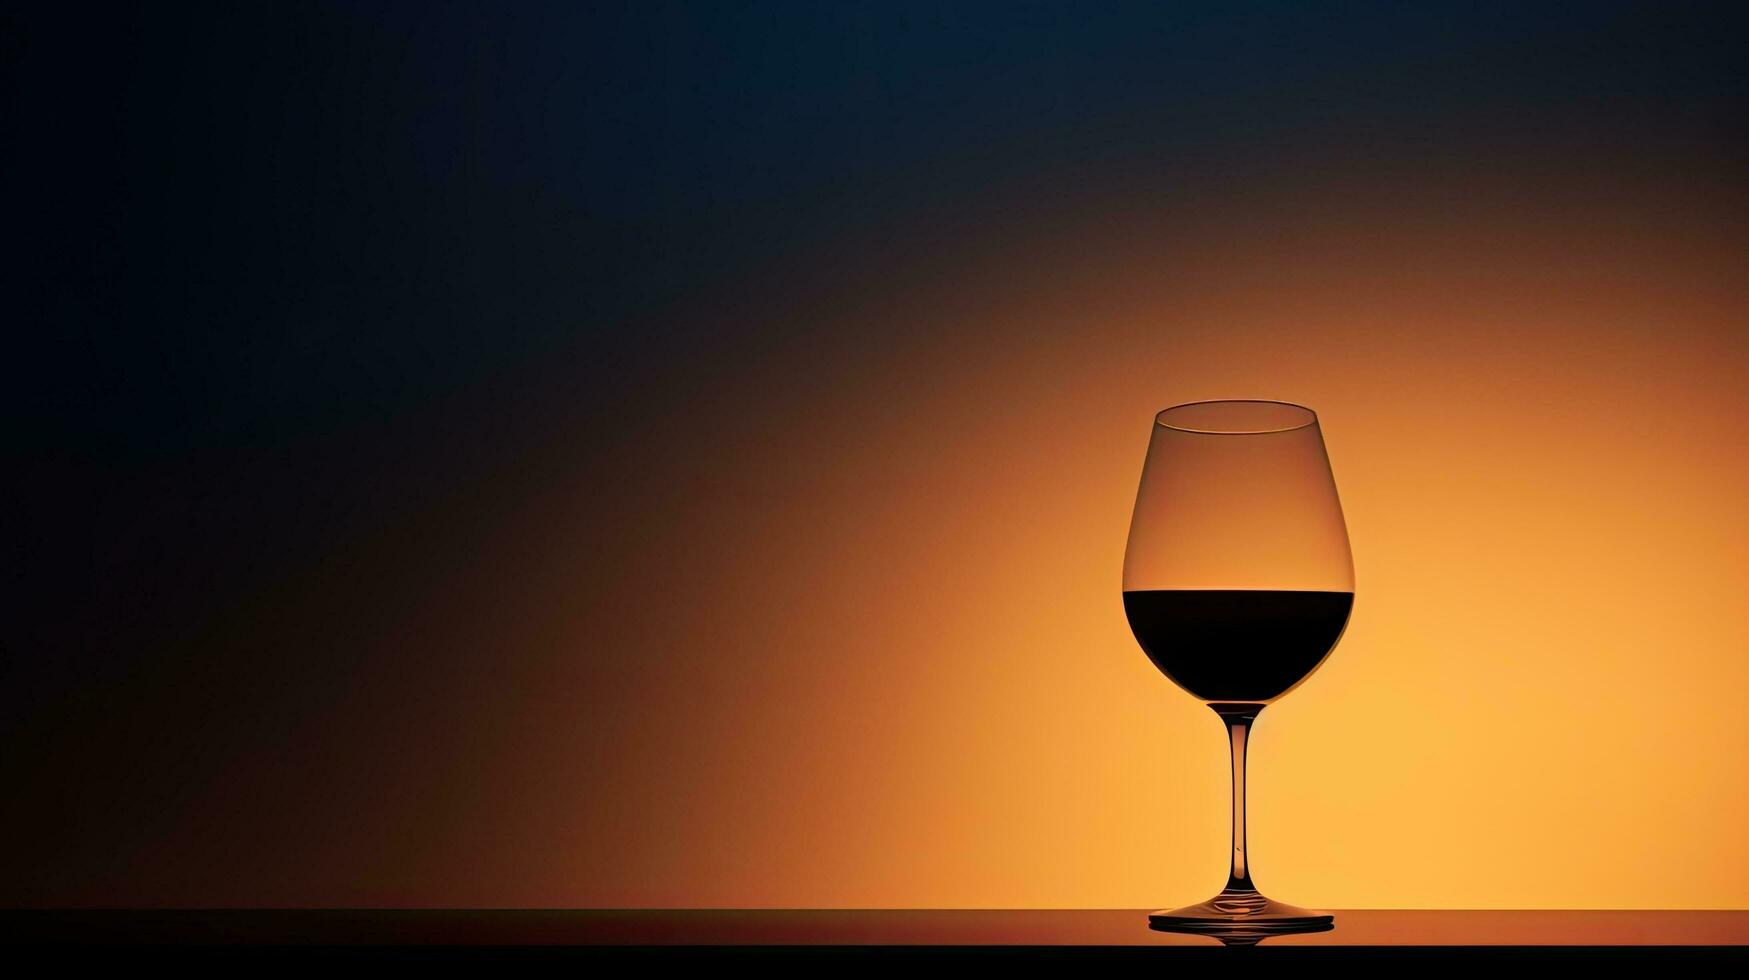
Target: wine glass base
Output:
[{"x": 1241, "y": 918}]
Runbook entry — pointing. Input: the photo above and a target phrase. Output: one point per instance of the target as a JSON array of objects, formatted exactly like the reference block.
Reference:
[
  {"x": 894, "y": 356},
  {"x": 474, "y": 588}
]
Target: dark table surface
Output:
[{"x": 844, "y": 927}]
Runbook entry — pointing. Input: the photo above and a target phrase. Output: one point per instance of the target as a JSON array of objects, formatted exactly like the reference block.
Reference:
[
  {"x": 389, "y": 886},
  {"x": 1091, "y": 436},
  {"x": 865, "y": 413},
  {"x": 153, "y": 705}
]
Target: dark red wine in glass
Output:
[{"x": 1237, "y": 584}]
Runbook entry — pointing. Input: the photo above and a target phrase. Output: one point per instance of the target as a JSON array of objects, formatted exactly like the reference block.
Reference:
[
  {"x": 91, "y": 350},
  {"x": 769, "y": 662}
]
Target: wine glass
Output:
[{"x": 1237, "y": 583}]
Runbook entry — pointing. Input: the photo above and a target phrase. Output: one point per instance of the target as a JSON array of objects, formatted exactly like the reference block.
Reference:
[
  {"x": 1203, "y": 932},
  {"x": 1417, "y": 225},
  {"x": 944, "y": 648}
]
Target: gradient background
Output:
[{"x": 680, "y": 455}]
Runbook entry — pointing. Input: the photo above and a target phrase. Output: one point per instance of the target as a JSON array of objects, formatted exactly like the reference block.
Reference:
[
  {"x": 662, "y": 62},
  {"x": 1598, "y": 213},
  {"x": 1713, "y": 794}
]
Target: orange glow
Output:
[{"x": 884, "y": 660}]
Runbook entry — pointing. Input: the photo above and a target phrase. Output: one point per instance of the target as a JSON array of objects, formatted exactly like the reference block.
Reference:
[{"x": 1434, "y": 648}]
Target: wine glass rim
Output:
[{"x": 1310, "y": 418}]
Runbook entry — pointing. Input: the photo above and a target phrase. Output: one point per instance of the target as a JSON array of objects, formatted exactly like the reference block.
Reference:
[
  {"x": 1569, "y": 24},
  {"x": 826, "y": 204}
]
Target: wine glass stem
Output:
[{"x": 1239, "y": 719}]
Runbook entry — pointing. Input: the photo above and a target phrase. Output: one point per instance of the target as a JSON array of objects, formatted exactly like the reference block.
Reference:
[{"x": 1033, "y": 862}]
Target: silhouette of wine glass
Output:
[{"x": 1237, "y": 583}]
